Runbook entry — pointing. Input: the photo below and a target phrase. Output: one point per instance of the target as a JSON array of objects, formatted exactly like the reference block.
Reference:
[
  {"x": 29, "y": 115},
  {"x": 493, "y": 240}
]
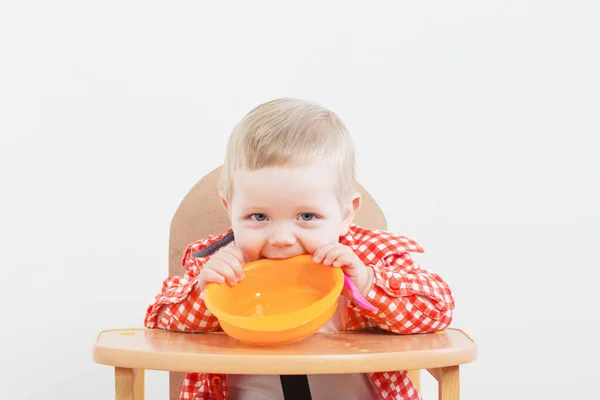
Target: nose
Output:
[{"x": 282, "y": 236}]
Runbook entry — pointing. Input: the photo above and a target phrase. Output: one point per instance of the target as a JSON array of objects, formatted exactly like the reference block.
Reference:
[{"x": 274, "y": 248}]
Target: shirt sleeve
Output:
[
  {"x": 408, "y": 298},
  {"x": 182, "y": 299}
]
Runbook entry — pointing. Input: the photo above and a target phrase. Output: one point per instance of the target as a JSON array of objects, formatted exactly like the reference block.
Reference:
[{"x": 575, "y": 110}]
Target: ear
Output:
[
  {"x": 224, "y": 203},
  {"x": 350, "y": 212}
]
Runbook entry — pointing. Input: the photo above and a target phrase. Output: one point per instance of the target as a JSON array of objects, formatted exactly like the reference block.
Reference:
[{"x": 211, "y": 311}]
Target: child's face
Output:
[{"x": 285, "y": 212}]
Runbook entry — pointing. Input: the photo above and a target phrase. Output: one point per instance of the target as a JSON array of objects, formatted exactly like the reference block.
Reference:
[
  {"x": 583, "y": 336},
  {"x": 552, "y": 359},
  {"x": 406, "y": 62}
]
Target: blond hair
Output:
[{"x": 290, "y": 132}]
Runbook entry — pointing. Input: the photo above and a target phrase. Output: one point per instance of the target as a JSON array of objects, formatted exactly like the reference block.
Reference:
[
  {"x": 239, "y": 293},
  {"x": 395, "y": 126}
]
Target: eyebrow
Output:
[
  {"x": 253, "y": 210},
  {"x": 314, "y": 209}
]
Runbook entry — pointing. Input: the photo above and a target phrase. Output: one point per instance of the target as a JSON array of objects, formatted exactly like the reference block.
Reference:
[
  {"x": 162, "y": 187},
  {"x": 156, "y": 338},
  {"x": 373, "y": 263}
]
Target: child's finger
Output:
[
  {"x": 334, "y": 254},
  {"x": 237, "y": 270},
  {"x": 233, "y": 261},
  {"x": 234, "y": 251},
  {"x": 322, "y": 252},
  {"x": 343, "y": 260},
  {"x": 225, "y": 269},
  {"x": 210, "y": 276}
]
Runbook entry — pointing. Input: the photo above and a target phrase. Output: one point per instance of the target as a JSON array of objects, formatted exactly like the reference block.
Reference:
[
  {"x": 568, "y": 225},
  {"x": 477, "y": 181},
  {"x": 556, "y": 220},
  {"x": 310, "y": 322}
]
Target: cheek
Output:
[
  {"x": 250, "y": 242},
  {"x": 313, "y": 240}
]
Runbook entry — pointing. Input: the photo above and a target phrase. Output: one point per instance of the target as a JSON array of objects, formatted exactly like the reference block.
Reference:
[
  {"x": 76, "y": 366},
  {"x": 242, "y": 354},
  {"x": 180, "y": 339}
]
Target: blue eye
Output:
[
  {"x": 307, "y": 216},
  {"x": 259, "y": 217}
]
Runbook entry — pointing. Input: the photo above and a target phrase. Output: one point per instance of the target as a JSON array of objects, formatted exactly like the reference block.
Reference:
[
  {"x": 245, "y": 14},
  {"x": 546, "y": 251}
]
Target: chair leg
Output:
[
  {"x": 129, "y": 384},
  {"x": 139, "y": 385},
  {"x": 415, "y": 377},
  {"x": 449, "y": 383}
]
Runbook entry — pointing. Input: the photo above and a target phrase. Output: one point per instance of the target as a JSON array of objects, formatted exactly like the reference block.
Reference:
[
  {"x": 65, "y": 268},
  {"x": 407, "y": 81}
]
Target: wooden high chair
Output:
[{"x": 131, "y": 351}]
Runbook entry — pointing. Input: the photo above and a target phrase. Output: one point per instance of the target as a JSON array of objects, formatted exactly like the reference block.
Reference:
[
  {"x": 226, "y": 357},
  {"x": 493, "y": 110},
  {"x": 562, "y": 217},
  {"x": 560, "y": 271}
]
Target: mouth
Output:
[{"x": 279, "y": 257}]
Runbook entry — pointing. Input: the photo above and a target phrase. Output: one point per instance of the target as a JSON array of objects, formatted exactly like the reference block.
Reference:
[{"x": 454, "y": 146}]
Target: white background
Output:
[{"x": 477, "y": 130}]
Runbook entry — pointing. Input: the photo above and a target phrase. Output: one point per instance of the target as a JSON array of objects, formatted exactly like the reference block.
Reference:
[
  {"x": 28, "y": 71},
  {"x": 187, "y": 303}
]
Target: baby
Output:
[{"x": 287, "y": 185}]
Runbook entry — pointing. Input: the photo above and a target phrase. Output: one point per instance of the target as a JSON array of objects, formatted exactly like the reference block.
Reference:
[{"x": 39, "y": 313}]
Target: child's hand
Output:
[
  {"x": 226, "y": 265},
  {"x": 339, "y": 255}
]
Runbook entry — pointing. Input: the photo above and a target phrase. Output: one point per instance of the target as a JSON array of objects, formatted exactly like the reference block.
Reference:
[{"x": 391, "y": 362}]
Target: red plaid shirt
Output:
[{"x": 408, "y": 298}]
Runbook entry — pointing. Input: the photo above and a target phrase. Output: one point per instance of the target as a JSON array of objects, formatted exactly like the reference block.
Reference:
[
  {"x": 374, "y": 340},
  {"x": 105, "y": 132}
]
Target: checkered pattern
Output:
[{"x": 408, "y": 298}]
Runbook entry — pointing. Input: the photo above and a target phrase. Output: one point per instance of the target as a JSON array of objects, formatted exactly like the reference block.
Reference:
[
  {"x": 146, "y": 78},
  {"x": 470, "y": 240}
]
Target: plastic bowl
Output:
[{"x": 278, "y": 301}]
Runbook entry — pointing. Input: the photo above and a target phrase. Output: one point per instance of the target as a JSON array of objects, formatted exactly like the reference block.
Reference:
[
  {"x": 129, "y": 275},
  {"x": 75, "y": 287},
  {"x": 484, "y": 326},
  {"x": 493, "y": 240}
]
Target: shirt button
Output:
[
  {"x": 216, "y": 381},
  {"x": 394, "y": 284}
]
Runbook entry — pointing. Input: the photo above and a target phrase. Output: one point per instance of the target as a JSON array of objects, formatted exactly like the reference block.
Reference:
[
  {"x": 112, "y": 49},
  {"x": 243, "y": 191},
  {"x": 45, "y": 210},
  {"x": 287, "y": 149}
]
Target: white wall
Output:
[{"x": 486, "y": 111}]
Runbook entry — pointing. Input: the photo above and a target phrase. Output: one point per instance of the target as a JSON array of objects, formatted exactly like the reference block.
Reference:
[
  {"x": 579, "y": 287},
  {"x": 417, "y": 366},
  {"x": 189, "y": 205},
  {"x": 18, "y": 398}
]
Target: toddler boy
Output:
[{"x": 288, "y": 187}]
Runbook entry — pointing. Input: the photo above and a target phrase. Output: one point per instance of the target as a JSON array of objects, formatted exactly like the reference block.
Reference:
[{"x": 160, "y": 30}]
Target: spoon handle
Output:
[{"x": 358, "y": 298}]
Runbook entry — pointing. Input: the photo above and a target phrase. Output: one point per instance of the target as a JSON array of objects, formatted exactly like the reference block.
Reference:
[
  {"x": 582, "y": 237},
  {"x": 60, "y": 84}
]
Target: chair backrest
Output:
[{"x": 200, "y": 214}]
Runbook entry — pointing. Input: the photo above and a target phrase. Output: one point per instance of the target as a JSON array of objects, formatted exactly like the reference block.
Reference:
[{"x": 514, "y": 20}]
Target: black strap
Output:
[
  {"x": 224, "y": 241},
  {"x": 295, "y": 387}
]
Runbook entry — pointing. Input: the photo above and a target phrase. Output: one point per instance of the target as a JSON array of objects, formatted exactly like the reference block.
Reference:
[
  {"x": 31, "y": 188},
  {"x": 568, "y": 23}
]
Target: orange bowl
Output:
[{"x": 278, "y": 301}]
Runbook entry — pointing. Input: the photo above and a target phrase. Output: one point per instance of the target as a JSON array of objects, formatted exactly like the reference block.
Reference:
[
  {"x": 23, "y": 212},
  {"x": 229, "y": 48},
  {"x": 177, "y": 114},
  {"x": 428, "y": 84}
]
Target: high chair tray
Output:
[{"x": 336, "y": 352}]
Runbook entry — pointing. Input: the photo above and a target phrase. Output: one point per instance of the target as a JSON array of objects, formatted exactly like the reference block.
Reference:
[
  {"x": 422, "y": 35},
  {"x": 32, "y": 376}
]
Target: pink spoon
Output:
[{"x": 358, "y": 298}]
